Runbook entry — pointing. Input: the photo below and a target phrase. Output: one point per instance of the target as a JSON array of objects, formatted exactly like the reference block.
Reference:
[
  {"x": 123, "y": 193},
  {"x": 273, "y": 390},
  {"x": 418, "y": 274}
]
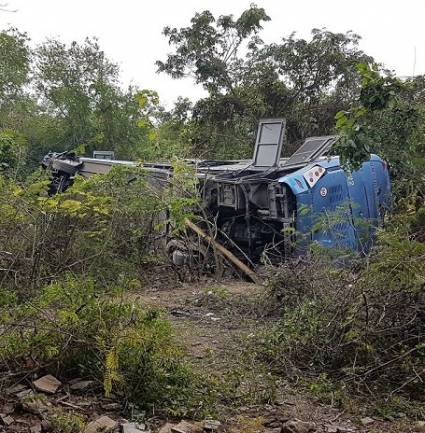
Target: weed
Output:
[
  {"x": 395, "y": 406},
  {"x": 219, "y": 292},
  {"x": 66, "y": 422},
  {"x": 248, "y": 425},
  {"x": 327, "y": 391}
]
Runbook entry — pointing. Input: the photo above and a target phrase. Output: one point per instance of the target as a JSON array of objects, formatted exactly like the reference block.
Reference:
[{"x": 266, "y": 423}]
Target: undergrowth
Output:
[
  {"x": 357, "y": 331},
  {"x": 76, "y": 329},
  {"x": 66, "y": 422}
]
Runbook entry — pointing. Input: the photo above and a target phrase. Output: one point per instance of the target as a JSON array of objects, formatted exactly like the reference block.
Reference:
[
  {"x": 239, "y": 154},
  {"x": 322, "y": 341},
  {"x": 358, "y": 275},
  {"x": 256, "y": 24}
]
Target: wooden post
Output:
[{"x": 225, "y": 252}]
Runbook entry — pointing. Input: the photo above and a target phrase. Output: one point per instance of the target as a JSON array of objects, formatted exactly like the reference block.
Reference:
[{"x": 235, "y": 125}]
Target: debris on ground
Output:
[
  {"x": 166, "y": 428},
  {"x": 185, "y": 427},
  {"x": 82, "y": 385},
  {"x": 36, "y": 428},
  {"x": 367, "y": 421},
  {"x": 211, "y": 425},
  {"x": 6, "y": 419},
  {"x": 103, "y": 424},
  {"x": 132, "y": 427},
  {"x": 419, "y": 427},
  {"x": 16, "y": 389},
  {"x": 36, "y": 404},
  {"x": 111, "y": 407},
  {"x": 298, "y": 426},
  {"x": 274, "y": 422},
  {"x": 7, "y": 409},
  {"x": 180, "y": 313},
  {"x": 333, "y": 428},
  {"x": 25, "y": 393},
  {"x": 48, "y": 384}
]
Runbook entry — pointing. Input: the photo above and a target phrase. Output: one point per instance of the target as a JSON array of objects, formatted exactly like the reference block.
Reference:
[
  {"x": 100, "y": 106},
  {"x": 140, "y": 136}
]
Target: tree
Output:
[
  {"x": 320, "y": 76},
  {"x": 12, "y": 149},
  {"x": 15, "y": 57},
  {"x": 15, "y": 104},
  {"x": 208, "y": 49},
  {"x": 172, "y": 131},
  {"x": 388, "y": 119},
  {"x": 72, "y": 80},
  {"x": 305, "y": 81},
  {"x": 79, "y": 86},
  {"x": 73, "y": 100}
]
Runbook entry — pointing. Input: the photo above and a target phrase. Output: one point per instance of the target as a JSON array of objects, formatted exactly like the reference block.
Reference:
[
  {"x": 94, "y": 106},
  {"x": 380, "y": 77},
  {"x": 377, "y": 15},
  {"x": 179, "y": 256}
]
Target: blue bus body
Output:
[{"x": 341, "y": 210}]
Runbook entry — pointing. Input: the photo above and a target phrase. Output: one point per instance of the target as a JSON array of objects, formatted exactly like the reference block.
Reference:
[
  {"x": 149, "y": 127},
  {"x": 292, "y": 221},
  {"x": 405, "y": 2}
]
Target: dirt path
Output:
[
  {"x": 205, "y": 316},
  {"x": 214, "y": 322}
]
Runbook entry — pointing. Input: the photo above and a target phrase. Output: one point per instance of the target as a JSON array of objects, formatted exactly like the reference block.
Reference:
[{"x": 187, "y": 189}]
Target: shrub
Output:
[
  {"x": 77, "y": 329},
  {"x": 12, "y": 149},
  {"x": 366, "y": 327},
  {"x": 99, "y": 227}
]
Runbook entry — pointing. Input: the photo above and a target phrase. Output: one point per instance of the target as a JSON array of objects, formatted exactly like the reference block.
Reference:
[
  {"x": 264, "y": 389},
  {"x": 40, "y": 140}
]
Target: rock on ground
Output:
[
  {"x": 103, "y": 424},
  {"x": 82, "y": 385},
  {"x": 298, "y": 426},
  {"x": 7, "y": 419},
  {"x": 367, "y": 420},
  {"x": 185, "y": 427},
  {"x": 132, "y": 427},
  {"x": 420, "y": 426},
  {"x": 166, "y": 428},
  {"x": 48, "y": 384},
  {"x": 211, "y": 425}
]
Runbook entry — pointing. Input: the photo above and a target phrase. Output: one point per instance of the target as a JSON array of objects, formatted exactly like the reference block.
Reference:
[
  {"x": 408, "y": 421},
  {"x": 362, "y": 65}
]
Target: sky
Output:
[{"x": 129, "y": 31}]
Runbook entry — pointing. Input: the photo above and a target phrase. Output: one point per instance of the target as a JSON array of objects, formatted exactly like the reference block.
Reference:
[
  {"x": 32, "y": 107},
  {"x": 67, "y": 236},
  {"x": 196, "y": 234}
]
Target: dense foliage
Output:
[
  {"x": 66, "y": 264},
  {"x": 98, "y": 228},
  {"x": 307, "y": 82},
  {"x": 363, "y": 328},
  {"x": 388, "y": 120},
  {"x": 58, "y": 97}
]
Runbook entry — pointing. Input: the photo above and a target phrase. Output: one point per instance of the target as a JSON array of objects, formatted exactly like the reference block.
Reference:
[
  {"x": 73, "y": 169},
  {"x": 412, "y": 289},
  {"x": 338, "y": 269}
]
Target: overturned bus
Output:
[{"x": 268, "y": 204}]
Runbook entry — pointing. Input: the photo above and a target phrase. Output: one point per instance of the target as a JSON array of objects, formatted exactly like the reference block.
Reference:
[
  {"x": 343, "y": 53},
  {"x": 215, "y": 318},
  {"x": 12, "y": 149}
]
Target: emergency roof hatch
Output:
[
  {"x": 311, "y": 149},
  {"x": 268, "y": 145}
]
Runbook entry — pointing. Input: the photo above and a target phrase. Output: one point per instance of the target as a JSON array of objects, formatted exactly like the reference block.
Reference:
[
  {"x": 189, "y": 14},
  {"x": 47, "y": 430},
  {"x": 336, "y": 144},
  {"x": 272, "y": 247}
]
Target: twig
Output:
[
  {"x": 378, "y": 367},
  {"x": 338, "y": 416},
  {"x": 410, "y": 380},
  {"x": 67, "y": 403}
]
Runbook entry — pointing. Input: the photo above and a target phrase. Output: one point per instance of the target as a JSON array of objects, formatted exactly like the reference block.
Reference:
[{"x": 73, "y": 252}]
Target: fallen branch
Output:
[{"x": 224, "y": 252}]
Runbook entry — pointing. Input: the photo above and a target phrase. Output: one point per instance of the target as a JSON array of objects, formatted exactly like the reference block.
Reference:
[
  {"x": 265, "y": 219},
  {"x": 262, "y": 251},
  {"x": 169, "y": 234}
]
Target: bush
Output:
[
  {"x": 75, "y": 328},
  {"x": 366, "y": 327},
  {"x": 99, "y": 227}
]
